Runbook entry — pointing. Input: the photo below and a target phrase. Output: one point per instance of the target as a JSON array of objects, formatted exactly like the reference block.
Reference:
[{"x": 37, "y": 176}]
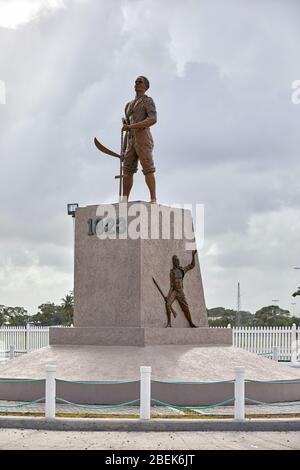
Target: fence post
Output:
[
  {"x": 27, "y": 337},
  {"x": 50, "y": 391},
  {"x": 294, "y": 344},
  {"x": 145, "y": 392},
  {"x": 11, "y": 351},
  {"x": 239, "y": 393}
]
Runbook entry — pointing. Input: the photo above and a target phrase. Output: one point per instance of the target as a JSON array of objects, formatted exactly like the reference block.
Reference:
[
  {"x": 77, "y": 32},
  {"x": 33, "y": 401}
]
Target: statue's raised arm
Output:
[{"x": 192, "y": 264}]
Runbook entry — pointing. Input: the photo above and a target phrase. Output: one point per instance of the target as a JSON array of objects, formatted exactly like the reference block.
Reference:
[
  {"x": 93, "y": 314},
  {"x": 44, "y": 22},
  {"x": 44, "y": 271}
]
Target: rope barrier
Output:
[
  {"x": 117, "y": 382},
  {"x": 291, "y": 403},
  {"x": 194, "y": 383},
  {"x": 99, "y": 382},
  {"x": 98, "y": 406},
  {"x": 20, "y": 380},
  {"x": 230, "y": 400},
  {"x": 265, "y": 354},
  {"x": 283, "y": 382},
  {"x": 27, "y": 403}
]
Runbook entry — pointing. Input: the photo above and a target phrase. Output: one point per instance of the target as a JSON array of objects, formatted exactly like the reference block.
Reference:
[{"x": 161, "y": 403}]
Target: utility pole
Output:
[{"x": 275, "y": 301}]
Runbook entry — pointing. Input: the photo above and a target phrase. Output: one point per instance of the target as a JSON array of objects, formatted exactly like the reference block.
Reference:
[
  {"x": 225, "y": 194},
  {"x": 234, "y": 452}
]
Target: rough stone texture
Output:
[
  {"x": 196, "y": 336},
  {"x": 113, "y": 277},
  {"x": 105, "y": 336},
  {"x": 133, "y": 336}
]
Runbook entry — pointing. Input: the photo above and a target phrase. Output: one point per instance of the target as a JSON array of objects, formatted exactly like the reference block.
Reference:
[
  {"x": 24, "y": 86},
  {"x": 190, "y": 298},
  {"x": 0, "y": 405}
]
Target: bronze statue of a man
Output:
[
  {"x": 140, "y": 116},
  {"x": 177, "y": 274}
]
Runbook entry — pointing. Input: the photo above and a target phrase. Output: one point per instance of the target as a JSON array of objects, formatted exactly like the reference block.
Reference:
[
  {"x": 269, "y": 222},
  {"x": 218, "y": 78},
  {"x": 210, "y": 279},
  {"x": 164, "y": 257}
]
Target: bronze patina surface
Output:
[
  {"x": 176, "y": 292},
  {"x": 140, "y": 115}
]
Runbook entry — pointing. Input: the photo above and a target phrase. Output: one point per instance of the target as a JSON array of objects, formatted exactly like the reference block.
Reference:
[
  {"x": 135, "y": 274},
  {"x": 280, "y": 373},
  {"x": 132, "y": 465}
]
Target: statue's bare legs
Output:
[
  {"x": 150, "y": 181},
  {"x": 127, "y": 185}
]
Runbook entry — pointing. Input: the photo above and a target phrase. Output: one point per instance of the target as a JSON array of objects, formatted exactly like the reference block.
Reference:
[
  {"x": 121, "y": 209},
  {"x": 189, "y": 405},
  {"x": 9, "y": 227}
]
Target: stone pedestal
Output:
[
  {"x": 138, "y": 336},
  {"x": 116, "y": 259},
  {"x": 120, "y": 320}
]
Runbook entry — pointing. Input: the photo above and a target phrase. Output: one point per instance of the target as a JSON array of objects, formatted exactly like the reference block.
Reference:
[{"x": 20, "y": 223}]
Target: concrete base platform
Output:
[
  {"x": 136, "y": 336},
  {"x": 169, "y": 364}
]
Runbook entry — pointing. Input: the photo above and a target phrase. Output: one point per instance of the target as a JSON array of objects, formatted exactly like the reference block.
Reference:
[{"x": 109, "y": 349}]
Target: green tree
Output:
[
  {"x": 2, "y": 315},
  {"x": 221, "y": 316},
  {"x": 272, "y": 315},
  {"x": 68, "y": 307},
  {"x": 295, "y": 320},
  {"x": 13, "y": 316},
  {"x": 49, "y": 314}
]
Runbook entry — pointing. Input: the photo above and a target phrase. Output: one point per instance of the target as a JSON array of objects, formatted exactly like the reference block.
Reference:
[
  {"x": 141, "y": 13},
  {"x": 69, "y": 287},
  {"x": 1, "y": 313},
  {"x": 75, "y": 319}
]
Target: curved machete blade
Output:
[{"x": 104, "y": 149}]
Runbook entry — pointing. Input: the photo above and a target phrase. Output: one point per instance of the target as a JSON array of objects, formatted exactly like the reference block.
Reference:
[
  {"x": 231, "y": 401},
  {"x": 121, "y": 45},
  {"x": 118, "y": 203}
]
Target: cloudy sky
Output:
[{"x": 227, "y": 136}]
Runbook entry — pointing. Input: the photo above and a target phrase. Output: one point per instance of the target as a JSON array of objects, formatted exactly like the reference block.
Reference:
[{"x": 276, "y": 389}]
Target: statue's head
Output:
[
  {"x": 142, "y": 84},
  {"x": 175, "y": 261}
]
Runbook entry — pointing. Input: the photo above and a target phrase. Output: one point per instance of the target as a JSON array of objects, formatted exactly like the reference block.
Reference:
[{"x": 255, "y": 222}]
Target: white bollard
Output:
[
  {"x": 275, "y": 355},
  {"x": 145, "y": 392},
  {"x": 239, "y": 393},
  {"x": 11, "y": 351},
  {"x": 50, "y": 391}
]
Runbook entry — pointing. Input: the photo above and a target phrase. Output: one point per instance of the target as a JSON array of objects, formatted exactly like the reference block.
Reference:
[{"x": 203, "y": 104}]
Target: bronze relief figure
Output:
[{"x": 176, "y": 292}]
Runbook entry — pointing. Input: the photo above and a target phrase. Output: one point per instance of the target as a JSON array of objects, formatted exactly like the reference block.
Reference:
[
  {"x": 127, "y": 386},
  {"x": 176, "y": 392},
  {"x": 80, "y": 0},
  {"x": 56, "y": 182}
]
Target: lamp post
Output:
[
  {"x": 71, "y": 210},
  {"x": 276, "y": 301},
  {"x": 293, "y": 307},
  {"x": 296, "y": 267},
  {"x": 297, "y": 292}
]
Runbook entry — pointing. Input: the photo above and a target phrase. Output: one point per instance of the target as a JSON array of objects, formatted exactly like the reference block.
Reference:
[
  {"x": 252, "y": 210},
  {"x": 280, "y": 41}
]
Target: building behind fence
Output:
[{"x": 260, "y": 340}]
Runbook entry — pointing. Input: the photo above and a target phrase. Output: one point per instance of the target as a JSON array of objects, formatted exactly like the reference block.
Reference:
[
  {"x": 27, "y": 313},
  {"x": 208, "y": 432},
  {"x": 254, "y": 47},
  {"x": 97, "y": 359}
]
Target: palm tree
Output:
[{"x": 68, "y": 307}]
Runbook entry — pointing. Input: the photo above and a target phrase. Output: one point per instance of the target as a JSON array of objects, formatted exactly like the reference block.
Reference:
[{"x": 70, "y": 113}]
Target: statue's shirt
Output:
[
  {"x": 137, "y": 111},
  {"x": 177, "y": 275}
]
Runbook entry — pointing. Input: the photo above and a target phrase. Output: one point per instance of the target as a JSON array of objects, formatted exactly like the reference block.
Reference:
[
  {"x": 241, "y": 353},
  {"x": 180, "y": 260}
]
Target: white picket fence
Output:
[
  {"x": 260, "y": 340},
  {"x": 24, "y": 339}
]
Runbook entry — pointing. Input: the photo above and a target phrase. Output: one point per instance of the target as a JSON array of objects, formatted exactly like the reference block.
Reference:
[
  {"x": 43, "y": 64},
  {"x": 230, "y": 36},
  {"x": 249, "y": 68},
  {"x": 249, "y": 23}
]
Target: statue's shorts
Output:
[
  {"x": 138, "y": 153},
  {"x": 179, "y": 296}
]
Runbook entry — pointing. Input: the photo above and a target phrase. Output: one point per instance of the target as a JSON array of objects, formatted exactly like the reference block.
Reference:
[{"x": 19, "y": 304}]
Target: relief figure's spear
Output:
[{"x": 164, "y": 297}]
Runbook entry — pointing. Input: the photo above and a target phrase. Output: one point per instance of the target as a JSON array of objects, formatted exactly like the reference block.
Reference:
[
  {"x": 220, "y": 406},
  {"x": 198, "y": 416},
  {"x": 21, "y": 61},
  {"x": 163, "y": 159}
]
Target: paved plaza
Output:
[{"x": 57, "y": 440}]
